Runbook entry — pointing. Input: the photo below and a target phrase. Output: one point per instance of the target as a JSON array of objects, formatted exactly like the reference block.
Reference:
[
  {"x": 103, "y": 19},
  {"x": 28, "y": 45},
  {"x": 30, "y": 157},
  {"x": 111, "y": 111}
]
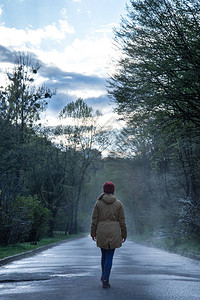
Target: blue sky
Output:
[{"x": 72, "y": 39}]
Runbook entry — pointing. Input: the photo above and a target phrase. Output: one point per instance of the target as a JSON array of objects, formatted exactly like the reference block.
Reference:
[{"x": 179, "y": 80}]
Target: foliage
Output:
[
  {"x": 23, "y": 219},
  {"x": 56, "y": 173},
  {"x": 156, "y": 89},
  {"x": 190, "y": 218},
  {"x": 20, "y": 106},
  {"x": 21, "y": 101},
  {"x": 82, "y": 141},
  {"x": 29, "y": 212},
  {"x": 158, "y": 71}
]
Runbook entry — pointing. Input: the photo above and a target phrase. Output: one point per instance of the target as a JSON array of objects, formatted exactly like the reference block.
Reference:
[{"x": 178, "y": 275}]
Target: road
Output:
[{"x": 71, "y": 270}]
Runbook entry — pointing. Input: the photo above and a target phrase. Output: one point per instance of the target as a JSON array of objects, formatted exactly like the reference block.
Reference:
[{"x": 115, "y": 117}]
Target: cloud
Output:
[
  {"x": 63, "y": 12},
  {"x": 28, "y": 38},
  {"x": 1, "y": 11},
  {"x": 85, "y": 93},
  {"x": 76, "y": 68},
  {"x": 57, "y": 103},
  {"x": 63, "y": 23},
  {"x": 71, "y": 86},
  {"x": 65, "y": 27},
  {"x": 6, "y": 55},
  {"x": 60, "y": 100},
  {"x": 90, "y": 55},
  {"x": 57, "y": 78},
  {"x": 73, "y": 83},
  {"x": 75, "y": 65},
  {"x": 99, "y": 103}
]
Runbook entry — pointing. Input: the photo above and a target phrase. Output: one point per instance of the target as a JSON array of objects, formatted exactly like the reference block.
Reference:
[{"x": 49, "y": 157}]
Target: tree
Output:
[
  {"x": 47, "y": 176},
  {"x": 25, "y": 219},
  {"x": 159, "y": 69},
  {"x": 20, "y": 106},
  {"x": 83, "y": 140},
  {"x": 156, "y": 88},
  {"x": 21, "y": 101}
]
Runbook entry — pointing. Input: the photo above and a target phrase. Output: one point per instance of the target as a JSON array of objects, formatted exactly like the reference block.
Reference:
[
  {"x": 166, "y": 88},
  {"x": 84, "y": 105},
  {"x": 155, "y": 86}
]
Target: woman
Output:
[{"x": 108, "y": 228}]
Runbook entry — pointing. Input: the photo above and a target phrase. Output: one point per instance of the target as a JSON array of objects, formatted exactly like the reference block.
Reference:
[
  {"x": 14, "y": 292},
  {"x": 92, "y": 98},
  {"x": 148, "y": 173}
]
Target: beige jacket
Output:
[{"x": 108, "y": 222}]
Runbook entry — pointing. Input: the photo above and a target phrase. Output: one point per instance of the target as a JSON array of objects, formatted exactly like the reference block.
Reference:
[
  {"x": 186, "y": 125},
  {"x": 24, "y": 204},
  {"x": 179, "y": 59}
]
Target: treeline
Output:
[
  {"x": 157, "y": 92},
  {"x": 51, "y": 177},
  {"x": 43, "y": 170}
]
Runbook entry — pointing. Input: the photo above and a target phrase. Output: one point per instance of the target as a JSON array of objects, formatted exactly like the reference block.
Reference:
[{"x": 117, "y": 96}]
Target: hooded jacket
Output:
[{"x": 108, "y": 222}]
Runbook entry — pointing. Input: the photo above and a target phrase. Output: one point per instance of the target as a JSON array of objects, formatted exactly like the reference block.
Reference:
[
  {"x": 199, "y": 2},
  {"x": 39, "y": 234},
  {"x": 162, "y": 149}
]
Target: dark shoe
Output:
[{"x": 106, "y": 284}]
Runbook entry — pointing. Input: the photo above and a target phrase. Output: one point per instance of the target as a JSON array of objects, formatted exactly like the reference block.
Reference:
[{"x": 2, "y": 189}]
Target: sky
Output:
[{"x": 72, "y": 40}]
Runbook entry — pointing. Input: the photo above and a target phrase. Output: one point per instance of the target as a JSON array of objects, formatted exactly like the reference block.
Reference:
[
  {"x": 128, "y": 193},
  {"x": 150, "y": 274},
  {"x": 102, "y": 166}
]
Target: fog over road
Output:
[{"x": 71, "y": 270}]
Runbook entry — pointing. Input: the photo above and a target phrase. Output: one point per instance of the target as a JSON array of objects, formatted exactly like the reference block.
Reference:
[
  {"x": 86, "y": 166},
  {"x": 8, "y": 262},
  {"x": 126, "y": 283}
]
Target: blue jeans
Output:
[{"x": 106, "y": 262}]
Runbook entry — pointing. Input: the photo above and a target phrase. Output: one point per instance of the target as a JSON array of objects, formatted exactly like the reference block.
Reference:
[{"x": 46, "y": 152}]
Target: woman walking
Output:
[{"x": 108, "y": 228}]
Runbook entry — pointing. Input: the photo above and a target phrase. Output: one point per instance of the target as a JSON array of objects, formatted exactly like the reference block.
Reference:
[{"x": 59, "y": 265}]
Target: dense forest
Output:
[
  {"x": 156, "y": 87},
  {"x": 43, "y": 170},
  {"x": 50, "y": 177}
]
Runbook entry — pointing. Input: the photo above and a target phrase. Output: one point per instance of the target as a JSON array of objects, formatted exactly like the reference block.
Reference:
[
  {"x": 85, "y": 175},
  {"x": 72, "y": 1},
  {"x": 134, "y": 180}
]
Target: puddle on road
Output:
[
  {"x": 24, "y": 278},
  {"x": 71, "y": 275},
  {"x": 21, "y": 279}
]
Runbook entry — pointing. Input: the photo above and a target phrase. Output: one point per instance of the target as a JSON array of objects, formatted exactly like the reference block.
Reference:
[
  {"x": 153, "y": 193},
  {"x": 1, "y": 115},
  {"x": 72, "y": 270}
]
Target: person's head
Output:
[{"x": 108, "y": 187}]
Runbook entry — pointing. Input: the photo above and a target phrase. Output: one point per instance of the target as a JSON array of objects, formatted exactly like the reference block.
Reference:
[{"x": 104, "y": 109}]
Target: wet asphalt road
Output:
[{"x": 72, "y": 271}]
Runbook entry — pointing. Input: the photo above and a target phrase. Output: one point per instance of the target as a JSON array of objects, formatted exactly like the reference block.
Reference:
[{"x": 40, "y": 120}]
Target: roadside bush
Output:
[
  {"x": 189, "y": 218},
  {"x": 25, "y": 219},
  {"x": 32, "y": 216}
]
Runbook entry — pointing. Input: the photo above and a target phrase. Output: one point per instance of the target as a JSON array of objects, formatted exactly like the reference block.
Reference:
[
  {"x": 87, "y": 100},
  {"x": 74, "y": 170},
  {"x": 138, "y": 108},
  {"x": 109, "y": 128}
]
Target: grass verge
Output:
[
  {"x": 184, "y": 246},
  {"x": 24, "y": 247}
]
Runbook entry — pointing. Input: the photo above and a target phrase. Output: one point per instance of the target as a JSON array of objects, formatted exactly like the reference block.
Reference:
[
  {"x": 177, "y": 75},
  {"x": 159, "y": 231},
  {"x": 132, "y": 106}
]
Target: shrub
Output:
[{"x": 25, "y": 219}]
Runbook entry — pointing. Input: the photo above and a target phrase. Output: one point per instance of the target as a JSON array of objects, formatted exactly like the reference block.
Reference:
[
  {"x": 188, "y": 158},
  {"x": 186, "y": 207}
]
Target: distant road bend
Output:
[{"x": 72, "y": 271}]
